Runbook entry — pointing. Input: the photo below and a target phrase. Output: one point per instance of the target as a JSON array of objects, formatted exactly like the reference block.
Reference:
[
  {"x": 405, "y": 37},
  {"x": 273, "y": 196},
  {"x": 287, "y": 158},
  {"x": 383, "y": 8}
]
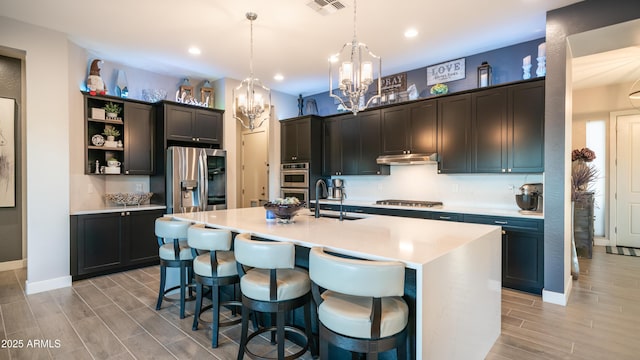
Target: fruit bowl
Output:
[
  {"x": 284, "y": 211},
  {"x": 129, "y": 198}
]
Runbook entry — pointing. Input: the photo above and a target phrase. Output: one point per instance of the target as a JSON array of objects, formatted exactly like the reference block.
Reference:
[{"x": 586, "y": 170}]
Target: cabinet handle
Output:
[
  {"x": 358, "y": 210},
  {"x": 197, "y": 139},
  {"x": 503, "y": 170},
  {"x": 509, "y": 170},
  {"x": 126, "y": 172},
  {"x": 444, "y": 217},
  {"x": 128, "y": 213},
  {"x": 501, "y": 222},
  {"x": 504, "y": 232},
  {"x": 408, "y": 151},
  {"x": 122, "y": 213},
  {"x": 193, "y": 139},
  {"x": 377, "y": 172}
]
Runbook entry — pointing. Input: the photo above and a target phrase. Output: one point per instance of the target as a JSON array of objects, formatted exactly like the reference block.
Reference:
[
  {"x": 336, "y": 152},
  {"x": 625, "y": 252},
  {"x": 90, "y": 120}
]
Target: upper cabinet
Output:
[
  {"x": 296, "y": 140},
  {"x": 189, "y": 125},
  {"x": 409, "y": 128},
  {"x": 352, "y": 144},
  {"x": 494, "y": 130},
  {"x": 454, "y": 128},
  {"x": 132, "y": 147}
]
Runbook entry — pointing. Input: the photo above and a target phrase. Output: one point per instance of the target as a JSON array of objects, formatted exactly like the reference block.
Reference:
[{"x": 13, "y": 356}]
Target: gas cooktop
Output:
[{"x": 413, "y": 203}]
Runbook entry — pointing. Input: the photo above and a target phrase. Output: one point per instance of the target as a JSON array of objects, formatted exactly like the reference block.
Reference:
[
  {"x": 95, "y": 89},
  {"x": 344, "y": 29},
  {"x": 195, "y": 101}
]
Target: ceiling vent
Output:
[{"x": 326, "y": 7}]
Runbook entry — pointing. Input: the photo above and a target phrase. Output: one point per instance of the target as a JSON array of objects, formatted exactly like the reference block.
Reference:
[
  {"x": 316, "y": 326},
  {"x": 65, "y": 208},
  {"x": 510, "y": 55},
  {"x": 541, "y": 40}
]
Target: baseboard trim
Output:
[
  {"x": 558, "y": 298},
  {"x": 46, "y": 285},
  {"x": 13, "y": 265}
]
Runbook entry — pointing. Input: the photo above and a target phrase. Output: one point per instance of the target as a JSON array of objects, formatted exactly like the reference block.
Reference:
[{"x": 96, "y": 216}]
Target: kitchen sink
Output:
[{"x": 336, "y": 216}]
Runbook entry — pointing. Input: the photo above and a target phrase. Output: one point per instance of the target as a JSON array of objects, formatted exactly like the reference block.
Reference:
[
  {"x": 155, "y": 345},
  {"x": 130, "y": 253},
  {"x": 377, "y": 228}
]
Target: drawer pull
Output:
[
  {"x": 444, "y": 217},
  {"x": 357, "y": 210},
  {"x": 501, "y": 222}
]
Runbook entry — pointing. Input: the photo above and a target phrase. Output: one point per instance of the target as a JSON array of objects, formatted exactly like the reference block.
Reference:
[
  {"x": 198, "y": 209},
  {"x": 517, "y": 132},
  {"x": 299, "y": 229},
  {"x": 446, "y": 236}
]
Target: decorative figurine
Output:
[
  {"x": 94, "y": 80},
  {"x": 300, "y": 102}
]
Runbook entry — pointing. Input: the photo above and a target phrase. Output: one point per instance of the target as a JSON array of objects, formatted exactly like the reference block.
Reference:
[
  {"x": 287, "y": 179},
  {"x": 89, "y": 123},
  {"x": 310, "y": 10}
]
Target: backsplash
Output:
[{"x": 422, "y": 182}]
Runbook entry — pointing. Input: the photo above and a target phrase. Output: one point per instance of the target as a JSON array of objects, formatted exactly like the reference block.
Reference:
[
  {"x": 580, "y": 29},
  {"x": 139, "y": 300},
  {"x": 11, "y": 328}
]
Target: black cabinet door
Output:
[
  {"x": 350, "y": 144},
  {"x": 295, "y": 141},
  {"x": 138, "y": 139},
  {"x": 423, "y": 125},
  {"x": 140, "y": 235},
  {"x": 370, "y": 143},
  {"x": 99, "y": 243},
  {"x": 522, "y": 261},
  {"x": 489, "y": 113},
  {"x": 332, "y": 151},
  {"x": 526, "y": 127},
  {"x": 394, "y": 129},
  {"x": 179, "y": 122},
  {"x": 207, "y": 127},
  {"x": 454, "y": 125}
]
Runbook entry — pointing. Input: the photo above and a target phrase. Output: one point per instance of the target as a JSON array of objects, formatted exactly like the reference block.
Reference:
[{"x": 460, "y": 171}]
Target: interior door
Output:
[
  {"x": 628, "y": 180},
  {"x": 255, "y": 168}
]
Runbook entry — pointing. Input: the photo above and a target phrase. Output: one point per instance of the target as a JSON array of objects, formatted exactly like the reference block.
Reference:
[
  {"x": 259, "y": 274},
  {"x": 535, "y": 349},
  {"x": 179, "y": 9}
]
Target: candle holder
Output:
[
  {"x": 542, "y": 66},
  {"x": 526, "y": 71}
]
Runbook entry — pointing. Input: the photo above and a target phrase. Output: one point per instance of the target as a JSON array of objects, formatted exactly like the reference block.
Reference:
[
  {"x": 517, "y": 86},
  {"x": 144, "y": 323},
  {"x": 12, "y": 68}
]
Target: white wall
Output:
[
  {"x": 47, "y": 161},
  {"x": 422, "y": 182}
]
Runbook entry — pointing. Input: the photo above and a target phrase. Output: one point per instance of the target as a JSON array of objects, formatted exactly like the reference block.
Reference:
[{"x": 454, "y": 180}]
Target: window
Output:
[{"x": 596, "y": 141}]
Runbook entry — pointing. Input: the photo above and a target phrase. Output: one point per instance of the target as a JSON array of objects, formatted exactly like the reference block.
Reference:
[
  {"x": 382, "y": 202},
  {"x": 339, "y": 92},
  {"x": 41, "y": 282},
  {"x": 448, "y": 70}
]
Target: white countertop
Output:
[
  {"x": 110, "y": 209},
  {"x": 413, "y": 241},
  {"x": 453, "y": 209}
]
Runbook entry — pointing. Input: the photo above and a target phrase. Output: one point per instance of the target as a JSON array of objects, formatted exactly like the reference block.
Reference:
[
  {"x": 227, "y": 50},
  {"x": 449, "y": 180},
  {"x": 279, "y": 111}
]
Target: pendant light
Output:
[
  {"x": 251, "y": 99},
  {"x": 634, "y": 94},
  {"x": 359, "y": 68}
]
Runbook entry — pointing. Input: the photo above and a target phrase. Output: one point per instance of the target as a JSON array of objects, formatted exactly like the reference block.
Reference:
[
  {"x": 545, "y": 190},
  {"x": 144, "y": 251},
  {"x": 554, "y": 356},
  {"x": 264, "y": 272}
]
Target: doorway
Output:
[
  {"x": 625, "y": 175},
  {"x": 255, "y": 167}
]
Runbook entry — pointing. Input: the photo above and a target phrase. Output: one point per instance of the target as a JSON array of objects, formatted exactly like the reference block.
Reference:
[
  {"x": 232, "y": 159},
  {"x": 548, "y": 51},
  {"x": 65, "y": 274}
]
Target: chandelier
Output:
[
  {"x": 357, "y": 70},
  {"x": 251, "y": 99}
]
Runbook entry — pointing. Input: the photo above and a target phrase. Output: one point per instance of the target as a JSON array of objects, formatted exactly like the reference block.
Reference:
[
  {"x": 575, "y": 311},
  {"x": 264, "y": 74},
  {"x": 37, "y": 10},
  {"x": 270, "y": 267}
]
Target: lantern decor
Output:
[{"x": 484, "y": 75}]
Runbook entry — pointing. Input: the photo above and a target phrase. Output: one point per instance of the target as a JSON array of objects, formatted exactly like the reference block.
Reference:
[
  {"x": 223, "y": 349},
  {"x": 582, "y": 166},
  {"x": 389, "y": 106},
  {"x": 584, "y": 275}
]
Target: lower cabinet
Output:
[
  {"x": 522, "y": 251},
  {"x": 522, "y": 242},
  {"x": 110, "y": 242}
]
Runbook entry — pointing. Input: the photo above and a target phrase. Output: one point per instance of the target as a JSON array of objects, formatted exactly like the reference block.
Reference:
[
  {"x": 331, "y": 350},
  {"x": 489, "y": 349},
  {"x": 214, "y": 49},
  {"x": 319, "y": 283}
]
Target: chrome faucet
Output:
[{"x": 319, "y": 183}]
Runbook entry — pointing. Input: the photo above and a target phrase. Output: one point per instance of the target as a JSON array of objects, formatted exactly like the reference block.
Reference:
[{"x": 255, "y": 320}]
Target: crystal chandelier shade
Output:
[
  {"x": 354, "y": 69},
  {"x": 251, "y": 99}
]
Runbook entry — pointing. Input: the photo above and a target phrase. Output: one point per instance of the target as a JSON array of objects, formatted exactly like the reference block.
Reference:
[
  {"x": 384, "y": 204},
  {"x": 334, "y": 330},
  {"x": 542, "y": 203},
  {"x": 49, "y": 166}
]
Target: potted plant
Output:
[
  {"x": 110, "y": 132},
  {"x": 112, "y": 110}
]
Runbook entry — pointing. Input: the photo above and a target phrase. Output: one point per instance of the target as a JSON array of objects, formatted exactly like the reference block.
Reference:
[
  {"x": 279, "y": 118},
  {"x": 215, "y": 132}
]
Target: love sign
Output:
[{"x": 447, "y": 71}]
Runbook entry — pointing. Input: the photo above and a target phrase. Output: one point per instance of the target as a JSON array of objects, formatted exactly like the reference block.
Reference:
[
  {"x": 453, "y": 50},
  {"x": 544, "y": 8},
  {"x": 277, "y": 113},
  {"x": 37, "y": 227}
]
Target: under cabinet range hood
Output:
[{"x": 407, "y": 159}]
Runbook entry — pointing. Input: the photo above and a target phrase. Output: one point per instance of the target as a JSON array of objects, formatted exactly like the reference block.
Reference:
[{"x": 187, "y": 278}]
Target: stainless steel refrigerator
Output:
[{"x": 196, "y": 179}]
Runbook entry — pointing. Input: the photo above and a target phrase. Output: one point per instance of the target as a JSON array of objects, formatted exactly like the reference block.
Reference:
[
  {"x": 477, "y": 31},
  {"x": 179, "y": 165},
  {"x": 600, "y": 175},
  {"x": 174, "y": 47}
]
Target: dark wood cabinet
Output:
[
  {"x": 522, "y": 251},
  {"x": 133, "y": 147},
  {"x": 526, "y": 127},
  {"x": 189, "y": 125},
  {"x": 110, "y": 242},
  {"x": 489, "y": 131},
  {"x": 410, "y": 128},
  {"x": 298, "y": 139},
  {"x": 352, "y": 144},
  {"x": 454, "y": 128},
  {"x": 495, "y": 130},
  {"x": 138, "y": 144}
]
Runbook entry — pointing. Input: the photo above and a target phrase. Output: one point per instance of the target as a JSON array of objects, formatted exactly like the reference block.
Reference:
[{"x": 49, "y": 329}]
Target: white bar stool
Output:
[
  {"x": 362, "y": 309},
  {"x": 214, "y": 268},
  {"x": 272, "y": 284},
  {"x": 174, "y": 252}
]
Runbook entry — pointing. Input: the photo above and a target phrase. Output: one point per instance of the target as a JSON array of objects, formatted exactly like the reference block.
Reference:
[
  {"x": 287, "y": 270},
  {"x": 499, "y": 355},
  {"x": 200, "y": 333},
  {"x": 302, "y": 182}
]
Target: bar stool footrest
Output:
[
  {"x": 221, "y": 323},
  {"x": 289, "y": 328}
]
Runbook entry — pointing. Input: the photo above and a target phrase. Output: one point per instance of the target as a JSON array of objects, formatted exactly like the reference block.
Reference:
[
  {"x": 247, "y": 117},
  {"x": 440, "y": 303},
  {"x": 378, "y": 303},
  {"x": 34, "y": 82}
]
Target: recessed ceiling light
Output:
[
  {"x": 194, "y": 50},
  {"x": 278, "y": 77},
  {"x": 412, "y": 32}
]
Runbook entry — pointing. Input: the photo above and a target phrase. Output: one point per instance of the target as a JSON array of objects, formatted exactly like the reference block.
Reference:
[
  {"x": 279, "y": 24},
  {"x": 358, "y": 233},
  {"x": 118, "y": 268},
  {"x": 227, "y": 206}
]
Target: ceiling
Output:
[{"x": 290, "y": 37}]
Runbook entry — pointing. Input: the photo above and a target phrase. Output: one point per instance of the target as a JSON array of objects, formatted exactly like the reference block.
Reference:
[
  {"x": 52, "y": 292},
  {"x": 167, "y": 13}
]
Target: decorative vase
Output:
[
  {"x": 111, "y": 115},
  {"x": 583, "y": 231},
  {"x": 111, "y": 138}
]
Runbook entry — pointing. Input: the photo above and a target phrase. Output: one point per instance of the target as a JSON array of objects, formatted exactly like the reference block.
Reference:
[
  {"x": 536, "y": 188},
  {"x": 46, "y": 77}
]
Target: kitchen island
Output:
[{"x": 457, "y": 269}]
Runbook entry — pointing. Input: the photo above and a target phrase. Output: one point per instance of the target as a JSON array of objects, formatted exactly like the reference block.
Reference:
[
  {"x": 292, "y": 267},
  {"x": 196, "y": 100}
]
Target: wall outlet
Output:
[{"x": 138, "y": 187}]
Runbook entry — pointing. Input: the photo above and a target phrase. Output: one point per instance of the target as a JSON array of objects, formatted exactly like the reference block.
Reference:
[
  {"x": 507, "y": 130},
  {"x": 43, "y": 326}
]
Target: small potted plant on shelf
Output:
[
  {"x": 110, "y": 132},
  {"x": 112, "y": 110}
]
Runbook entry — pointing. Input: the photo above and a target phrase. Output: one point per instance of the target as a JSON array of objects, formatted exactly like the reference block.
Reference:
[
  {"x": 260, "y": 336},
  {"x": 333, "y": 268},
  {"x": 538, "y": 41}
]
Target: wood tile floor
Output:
[{"x": 113, "y": 317}]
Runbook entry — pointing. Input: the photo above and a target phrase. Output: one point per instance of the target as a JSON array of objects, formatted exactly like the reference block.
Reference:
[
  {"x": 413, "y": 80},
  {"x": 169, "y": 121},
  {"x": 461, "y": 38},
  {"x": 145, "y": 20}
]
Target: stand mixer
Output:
[{"x": 530, "y": 198}]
